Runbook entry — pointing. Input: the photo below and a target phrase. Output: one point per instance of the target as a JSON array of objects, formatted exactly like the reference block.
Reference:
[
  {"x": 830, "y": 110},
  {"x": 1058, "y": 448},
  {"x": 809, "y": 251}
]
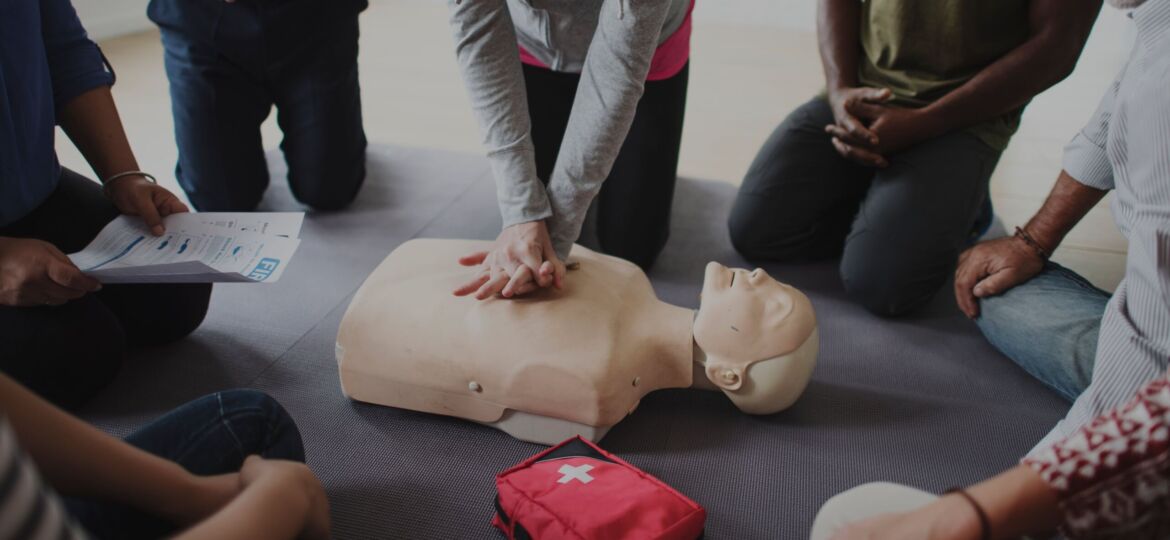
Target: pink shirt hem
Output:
[{"x": 669, "y": 58}]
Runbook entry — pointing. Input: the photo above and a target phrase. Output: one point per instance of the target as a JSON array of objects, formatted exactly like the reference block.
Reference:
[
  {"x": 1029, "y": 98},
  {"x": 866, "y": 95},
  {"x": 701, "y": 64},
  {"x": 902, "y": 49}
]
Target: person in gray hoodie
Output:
[{"x": 581, "y": 103}]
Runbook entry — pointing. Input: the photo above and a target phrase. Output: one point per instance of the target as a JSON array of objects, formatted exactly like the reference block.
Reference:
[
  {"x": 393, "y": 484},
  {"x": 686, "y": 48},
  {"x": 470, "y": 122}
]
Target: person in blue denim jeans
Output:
[
  {"x": 1043, "y": 316},
  {"x": 229, "y": 63},
  {"x": 229, "y": 464}
]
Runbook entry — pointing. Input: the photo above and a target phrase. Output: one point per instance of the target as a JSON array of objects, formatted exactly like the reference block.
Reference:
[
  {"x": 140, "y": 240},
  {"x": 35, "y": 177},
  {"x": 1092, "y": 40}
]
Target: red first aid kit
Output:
[{"x": 575, "y": 490}]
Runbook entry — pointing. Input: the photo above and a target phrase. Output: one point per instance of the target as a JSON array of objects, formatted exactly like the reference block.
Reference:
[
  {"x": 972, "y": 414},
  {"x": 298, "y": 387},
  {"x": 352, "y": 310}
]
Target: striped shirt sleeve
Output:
[
  {"x": 28, "y": 510},
  {"x": 1085, "y": 157},
  {"x": 489, "y": 60}
]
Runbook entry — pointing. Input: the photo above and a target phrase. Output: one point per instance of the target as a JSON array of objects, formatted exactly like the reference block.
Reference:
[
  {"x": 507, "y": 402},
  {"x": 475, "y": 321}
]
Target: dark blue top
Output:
[
  {"x": 254, "y": 33},
  {"x": 46, "y": 60}
]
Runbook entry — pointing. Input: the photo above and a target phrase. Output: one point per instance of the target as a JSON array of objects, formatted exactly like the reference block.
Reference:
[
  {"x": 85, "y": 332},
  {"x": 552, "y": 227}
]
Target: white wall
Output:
[
  {"x": 109, "y": 18},
  {"x": 791, "y": 14}
]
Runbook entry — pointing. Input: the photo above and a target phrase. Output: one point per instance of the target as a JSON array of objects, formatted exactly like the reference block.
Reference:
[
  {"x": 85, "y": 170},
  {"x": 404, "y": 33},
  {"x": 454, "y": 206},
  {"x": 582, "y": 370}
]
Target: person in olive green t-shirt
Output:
[{"x": 888, "y": 168}]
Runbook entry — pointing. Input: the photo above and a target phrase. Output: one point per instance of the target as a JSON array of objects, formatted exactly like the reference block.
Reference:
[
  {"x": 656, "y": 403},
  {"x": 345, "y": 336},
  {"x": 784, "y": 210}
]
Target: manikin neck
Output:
[{"x": 672, "y": 329}]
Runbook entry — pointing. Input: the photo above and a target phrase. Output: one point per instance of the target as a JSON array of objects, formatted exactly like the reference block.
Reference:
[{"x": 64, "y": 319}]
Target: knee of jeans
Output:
[
  {"x": 261, "y": 424},
  {"x": 886, "y": 290},
  {"x": 331, "y": 188},
  {"x": 233, "y": 200},
  {"x": 326, "y": 199},
  {"x": 1004, "y": 321}
]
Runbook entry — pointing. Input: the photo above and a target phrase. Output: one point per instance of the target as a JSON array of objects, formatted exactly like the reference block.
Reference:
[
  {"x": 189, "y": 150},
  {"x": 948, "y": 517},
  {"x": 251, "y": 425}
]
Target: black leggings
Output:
[
  {"x": 68, "y": 353},
  {"x": 633, "y": 208}
]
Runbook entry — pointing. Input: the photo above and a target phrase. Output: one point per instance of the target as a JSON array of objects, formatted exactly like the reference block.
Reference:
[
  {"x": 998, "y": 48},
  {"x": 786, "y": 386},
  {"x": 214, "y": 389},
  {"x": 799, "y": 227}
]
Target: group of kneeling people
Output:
[{"x": 888, "y": 170}]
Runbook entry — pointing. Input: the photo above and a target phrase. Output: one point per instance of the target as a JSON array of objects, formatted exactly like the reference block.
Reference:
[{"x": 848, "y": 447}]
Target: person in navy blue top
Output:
[
  {"x": 229, "y": 62},
  {"x": 61, "y": 333}
]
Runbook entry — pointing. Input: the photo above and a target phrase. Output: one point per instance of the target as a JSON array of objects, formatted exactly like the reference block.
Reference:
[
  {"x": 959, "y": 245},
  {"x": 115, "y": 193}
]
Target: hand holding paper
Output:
[{"x": 196, "y": 248}]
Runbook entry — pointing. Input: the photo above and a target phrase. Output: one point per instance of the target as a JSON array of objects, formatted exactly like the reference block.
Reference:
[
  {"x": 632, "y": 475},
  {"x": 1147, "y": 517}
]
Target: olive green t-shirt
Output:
[{"x": 922, "y": 49}]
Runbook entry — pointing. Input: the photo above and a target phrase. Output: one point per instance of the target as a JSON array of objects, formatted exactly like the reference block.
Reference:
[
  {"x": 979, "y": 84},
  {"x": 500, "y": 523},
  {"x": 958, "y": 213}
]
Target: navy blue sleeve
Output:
[{"x": 76, "y": 65}]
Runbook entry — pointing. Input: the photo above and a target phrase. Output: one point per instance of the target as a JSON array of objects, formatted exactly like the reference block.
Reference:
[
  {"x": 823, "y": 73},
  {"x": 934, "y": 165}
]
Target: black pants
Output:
[
  {"x": 68, "y": 353},
  {"x": 898, "y": 230},
  {"x": 225, "y": 85},
  {"x": 633, "y": 208}
]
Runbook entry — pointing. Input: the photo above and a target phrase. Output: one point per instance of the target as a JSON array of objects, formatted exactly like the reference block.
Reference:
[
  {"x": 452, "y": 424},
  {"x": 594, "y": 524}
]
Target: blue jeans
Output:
[
  {"x": 1048, "y": 325},
  {"x": 208, "y": 436},
  {"x": 229, "y": 64}
]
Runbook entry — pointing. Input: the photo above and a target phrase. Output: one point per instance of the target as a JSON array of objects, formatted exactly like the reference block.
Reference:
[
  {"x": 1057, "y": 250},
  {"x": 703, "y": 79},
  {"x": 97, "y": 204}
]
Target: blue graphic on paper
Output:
[
  {"x": 116, "y": 257},
  {"x": 264, "y": 269},
  {"x": 183, "y": 247}
]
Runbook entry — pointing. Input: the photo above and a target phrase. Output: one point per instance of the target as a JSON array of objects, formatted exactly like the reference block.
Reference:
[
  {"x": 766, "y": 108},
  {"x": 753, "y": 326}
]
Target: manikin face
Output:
[{"x": 745, "y": 317}]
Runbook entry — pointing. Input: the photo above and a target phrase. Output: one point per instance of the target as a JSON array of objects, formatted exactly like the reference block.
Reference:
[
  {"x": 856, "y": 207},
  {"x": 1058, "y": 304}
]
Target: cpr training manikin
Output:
[{"x": 573, "y": 361}]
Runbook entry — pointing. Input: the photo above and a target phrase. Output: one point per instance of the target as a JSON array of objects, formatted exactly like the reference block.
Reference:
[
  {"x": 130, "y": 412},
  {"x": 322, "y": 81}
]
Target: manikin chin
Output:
[{"x": 575, "y": 361}]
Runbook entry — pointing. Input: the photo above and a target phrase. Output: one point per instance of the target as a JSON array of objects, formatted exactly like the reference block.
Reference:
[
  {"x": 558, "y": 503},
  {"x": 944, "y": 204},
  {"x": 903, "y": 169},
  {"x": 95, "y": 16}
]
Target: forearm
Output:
[
  {"x": 1066, "y": 205},
  {"x": 1048, "y": 56},
  {"x": 265, "y": 510},
  {"x": 612, "y": 83},
  {"x": 91, "y": 121},
  {"x": 1018, "y": 503},
  {"x": 488, "y": 57},
  {"x": 79, "y": 460},
  {"x": 838, "y": 36}
]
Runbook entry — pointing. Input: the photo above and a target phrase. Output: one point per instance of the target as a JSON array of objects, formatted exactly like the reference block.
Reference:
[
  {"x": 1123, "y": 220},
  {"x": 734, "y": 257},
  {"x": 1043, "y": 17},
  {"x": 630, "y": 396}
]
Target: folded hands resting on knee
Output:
[
  {"x": 867, "y": 129},
  {"x": 521, "y": 260}
]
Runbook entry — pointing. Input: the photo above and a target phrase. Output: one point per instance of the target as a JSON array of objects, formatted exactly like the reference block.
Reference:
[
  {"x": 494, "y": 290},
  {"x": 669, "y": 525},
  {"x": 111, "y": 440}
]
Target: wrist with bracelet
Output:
[
  {"x": 984, "y": 521},
  {"x": 1032, "y": 243},
  {"x": 113, "y": 178}
]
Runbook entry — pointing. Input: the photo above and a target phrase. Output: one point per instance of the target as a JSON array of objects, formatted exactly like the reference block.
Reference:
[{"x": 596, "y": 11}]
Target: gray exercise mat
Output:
[{"x": 922, "y": 400}]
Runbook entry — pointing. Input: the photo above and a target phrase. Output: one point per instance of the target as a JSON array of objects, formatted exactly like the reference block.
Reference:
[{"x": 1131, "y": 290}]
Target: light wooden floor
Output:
[{"x": 751, "y": 65}]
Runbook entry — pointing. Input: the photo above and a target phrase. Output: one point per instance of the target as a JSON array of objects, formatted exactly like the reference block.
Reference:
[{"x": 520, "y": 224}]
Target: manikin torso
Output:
[{"x": 548, "y": 365}]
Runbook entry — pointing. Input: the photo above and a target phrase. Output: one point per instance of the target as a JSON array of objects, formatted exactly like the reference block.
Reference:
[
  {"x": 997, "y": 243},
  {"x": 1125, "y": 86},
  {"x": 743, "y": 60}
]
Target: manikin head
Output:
[{"x": 759, "y": 337}]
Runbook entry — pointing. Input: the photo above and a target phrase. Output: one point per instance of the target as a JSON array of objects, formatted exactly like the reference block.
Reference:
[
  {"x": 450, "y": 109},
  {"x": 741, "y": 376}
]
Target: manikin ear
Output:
[{"x": 724, "y": 376}]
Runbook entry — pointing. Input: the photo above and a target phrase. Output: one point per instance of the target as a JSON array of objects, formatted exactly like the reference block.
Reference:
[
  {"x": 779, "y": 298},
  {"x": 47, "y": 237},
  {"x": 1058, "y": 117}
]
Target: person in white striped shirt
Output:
[
  {"x": 1094, "y": 349},
  {"x": 1101, "y": 472}
]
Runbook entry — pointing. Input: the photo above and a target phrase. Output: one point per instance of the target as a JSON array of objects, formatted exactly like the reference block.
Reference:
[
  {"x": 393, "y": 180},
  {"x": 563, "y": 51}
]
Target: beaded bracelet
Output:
[
  {"x": 1032, "y": 243},
  {"x": 984, "y": 521}
]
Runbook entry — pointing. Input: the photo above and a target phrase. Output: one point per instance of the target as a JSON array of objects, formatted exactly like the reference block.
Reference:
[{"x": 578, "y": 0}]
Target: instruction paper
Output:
[{"x": 204, "y": 247}]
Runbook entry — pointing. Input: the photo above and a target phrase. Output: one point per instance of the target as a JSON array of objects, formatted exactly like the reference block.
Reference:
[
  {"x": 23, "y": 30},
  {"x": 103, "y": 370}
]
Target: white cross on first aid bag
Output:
[{"x": 577, "y": 490}]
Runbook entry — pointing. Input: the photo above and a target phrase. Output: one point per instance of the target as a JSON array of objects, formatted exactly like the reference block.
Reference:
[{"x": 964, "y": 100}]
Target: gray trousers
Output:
[{"x": 898, "y": 230}]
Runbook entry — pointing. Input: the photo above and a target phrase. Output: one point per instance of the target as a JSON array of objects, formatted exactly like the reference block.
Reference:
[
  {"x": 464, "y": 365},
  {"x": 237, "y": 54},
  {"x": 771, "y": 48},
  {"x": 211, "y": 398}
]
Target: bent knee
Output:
[
  {"x": 863, "y": 502},
  {"x": 72, "y": 367},
  {"x": 754, "y": 235},
  {"x": 889, "y": 291},
  {"x": 185, "y": 306},
  {"x": 261, "y": 424},
  {"x": 328, "y": 188}
]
